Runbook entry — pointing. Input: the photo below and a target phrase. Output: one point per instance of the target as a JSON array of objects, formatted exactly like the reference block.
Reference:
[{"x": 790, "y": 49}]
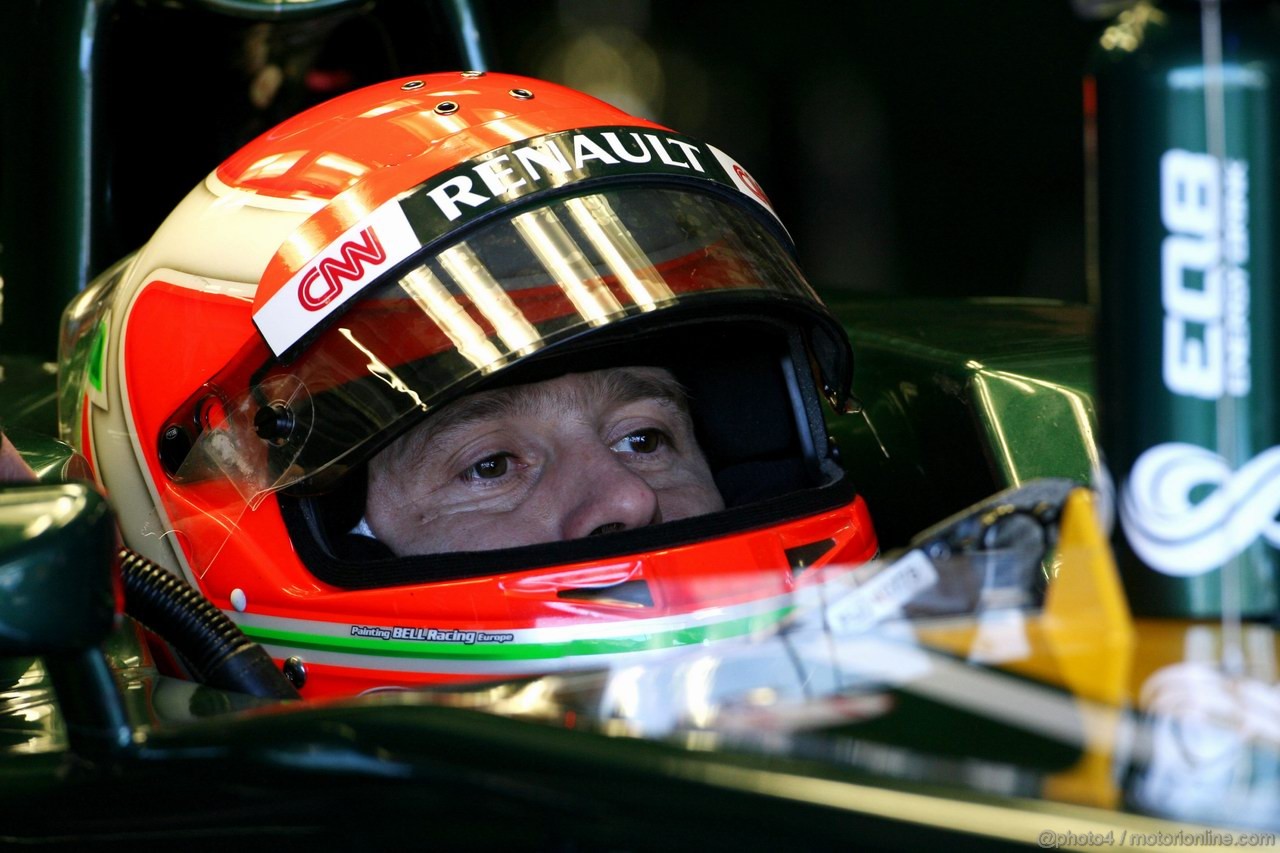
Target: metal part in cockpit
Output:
[{"x": 995, "y": 553}]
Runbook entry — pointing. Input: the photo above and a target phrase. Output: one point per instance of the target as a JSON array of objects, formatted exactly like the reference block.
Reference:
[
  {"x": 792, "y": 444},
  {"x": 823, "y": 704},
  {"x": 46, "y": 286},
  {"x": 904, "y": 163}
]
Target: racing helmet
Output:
[{"x": 364, "y": 264}]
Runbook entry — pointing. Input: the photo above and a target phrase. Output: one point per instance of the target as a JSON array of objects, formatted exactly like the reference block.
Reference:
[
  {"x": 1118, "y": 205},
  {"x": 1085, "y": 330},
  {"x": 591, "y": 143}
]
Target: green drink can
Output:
[{"x": 1182, "y": 104}]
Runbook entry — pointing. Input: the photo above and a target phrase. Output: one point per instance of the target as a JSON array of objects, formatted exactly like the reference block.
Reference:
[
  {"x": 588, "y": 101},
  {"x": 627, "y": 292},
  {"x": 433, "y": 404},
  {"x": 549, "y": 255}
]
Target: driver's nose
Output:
[{"x": 603, "y": 495}]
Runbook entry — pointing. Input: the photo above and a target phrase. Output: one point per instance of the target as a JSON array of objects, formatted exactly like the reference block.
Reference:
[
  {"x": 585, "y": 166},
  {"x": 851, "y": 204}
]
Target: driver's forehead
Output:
[{"x": 575, "y": 393}]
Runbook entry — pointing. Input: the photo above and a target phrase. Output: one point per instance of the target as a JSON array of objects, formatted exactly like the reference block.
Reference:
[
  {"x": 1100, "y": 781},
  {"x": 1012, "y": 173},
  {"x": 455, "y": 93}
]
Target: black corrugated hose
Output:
[{"x": 215, "y": 647}]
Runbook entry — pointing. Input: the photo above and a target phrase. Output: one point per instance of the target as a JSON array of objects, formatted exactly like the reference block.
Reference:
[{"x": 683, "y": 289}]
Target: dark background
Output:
[{"x": 911, "y": 146}]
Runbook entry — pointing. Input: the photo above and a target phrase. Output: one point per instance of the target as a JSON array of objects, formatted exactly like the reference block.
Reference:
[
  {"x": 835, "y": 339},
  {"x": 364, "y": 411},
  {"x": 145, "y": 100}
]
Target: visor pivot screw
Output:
[
  {"x": 472, "y": 73},
  {"x": 446, "y": 108},
  {"x": 296, "y": 671},
  {"x": 175, "y": 444},
  {"x": 274, "y": 423},
  {"x": 520, "y": 94},
  {"x": 412, "y": 84}
]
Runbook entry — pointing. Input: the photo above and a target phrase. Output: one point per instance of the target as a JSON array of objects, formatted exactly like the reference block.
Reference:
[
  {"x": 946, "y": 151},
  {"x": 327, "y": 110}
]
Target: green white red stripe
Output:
[{"x": 514, "y": 651}]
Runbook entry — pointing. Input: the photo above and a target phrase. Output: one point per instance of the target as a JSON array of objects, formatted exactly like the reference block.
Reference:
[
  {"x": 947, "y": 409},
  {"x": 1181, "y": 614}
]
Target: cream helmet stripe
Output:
[{"x": 234, "y": 274}]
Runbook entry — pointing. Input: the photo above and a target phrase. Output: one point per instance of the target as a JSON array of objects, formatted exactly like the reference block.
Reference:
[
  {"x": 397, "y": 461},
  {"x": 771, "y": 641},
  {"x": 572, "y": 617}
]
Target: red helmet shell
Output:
[{"x": 362, "y": 149}]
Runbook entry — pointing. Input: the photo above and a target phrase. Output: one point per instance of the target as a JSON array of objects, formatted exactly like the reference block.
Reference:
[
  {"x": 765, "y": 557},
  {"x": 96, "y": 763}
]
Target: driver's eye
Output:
[
  {"x": 641, "y": 441},
  {"x": 489, "y": 469}
]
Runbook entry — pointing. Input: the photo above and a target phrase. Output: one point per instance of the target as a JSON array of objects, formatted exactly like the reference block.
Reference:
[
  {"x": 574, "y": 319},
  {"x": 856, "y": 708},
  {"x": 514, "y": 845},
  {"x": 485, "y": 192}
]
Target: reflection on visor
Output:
[
  {"x": 626, "y": 260},
  {"x": 510, "y": 288},
  {"x": 558, "y": 252},
  {"x": 447, "y": 313},
  {"x": 487, "y": 295}
]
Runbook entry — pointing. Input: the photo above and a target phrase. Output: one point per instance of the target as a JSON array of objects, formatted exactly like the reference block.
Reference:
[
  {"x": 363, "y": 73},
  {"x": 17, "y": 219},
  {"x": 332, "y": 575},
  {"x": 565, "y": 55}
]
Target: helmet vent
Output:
[
  {"x": 626, "y": 594},
  {"x": 412, "y": 85},
  {"x": 446, "y": 108},
  {"x": 521, "y": 94},
  {"x": 804, "y": 556}
]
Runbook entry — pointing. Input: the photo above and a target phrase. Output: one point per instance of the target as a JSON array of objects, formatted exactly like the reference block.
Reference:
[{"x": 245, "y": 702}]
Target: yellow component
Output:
[
  {"x": 1086, "y": 617},
  {"x": 1083, "y": 641},
  {"x": 1088, "y": 627}
]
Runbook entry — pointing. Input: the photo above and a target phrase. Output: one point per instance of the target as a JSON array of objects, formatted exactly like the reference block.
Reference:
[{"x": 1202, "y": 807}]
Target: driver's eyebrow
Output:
[
  {"x": 617, "y": 386},
  {"x": 624, "y": 385}
]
